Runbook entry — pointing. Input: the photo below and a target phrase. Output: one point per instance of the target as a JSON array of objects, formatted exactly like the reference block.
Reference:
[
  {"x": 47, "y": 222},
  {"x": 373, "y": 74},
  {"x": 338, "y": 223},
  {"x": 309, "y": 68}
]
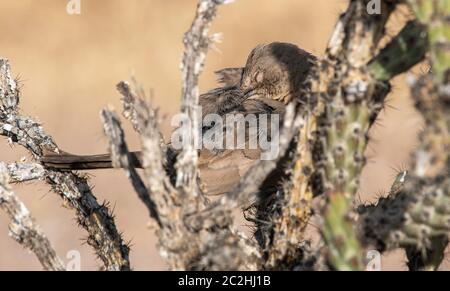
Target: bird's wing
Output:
[
  {"x": 221, "y": 171},
  {"x": 220, "y": 100}
]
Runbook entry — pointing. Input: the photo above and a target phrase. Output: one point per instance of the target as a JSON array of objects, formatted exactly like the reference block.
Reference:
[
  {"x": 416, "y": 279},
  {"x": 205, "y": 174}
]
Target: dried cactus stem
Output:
[
  {"x": 287, "y": 232},
  {"x": 416, "y": 216},
  {"x": 95, "y": 218},
  {"x": 427, "y": 259}
]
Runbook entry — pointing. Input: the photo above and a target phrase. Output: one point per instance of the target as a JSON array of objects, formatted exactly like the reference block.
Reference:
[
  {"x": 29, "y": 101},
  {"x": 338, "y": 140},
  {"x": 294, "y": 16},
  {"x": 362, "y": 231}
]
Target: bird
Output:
[{"x": 273, "y": 76}]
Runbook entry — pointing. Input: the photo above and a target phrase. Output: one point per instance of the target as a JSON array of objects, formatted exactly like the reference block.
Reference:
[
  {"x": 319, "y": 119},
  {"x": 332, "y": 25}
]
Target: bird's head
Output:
[{"x": 276, "y": 71}]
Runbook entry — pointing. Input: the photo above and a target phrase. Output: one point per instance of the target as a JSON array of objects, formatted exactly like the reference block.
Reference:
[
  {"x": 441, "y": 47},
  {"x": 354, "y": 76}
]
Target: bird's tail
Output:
[{"x": 66, "y": 161}]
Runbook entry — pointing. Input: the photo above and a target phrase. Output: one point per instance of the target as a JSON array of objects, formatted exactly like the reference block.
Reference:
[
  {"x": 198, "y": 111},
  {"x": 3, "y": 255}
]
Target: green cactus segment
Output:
[
  {"x": 343, "y": 136},
  {"x": 406, "y": 50},
  {"x": 427, "y": 217},
  {"x": 349, "y": 100},
  {"x": 344, "y": 252},
  {"x": 423, "y": 9},
  {"x": 416, "y": 214},
  {"x": 431, "y": 163},
  {"x": 338, "y": 154},
  {"x": 435, "y": 15}
]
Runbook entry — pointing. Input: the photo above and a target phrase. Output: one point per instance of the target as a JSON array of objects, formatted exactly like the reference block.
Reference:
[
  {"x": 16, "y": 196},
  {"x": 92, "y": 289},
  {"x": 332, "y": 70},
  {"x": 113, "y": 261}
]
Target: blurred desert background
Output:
[{"x": 69, "y": 65}]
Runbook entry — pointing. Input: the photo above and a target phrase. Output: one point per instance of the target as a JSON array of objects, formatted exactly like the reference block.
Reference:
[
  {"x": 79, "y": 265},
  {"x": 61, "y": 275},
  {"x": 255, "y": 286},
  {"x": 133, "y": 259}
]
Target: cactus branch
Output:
[
  {"x": 23, "y": 227},
  {"x": 434, "y": 14},
  {"x": 287, "y": 233},
  {"x": 196, "y": 42},
  {"x": 349, "y": 98},
  {"x": 23, "y": 172},
  {"x": 416, "y": 213},
  {"x": 121, "y": 158},
  {"x": 406, "y": 50},
  {"x": 93, "y": 217}
]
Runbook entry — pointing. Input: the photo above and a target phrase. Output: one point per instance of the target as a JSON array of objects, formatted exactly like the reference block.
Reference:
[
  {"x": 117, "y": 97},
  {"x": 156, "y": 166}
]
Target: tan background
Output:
[{"x": 69, "y": 65}]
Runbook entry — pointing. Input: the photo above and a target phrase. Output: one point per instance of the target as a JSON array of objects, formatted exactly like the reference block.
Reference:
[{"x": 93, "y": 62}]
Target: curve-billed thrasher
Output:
[{"x": 273, "y": 75}]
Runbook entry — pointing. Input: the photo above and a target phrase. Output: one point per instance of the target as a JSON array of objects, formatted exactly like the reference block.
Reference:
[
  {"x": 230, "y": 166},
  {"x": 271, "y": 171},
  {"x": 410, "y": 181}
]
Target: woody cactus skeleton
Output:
[{"x": 324, "y": 135}]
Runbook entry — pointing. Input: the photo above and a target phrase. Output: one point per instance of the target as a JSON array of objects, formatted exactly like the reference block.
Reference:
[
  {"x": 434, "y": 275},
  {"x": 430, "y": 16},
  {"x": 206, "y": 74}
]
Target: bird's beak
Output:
[{"x": 249, "y": 93}]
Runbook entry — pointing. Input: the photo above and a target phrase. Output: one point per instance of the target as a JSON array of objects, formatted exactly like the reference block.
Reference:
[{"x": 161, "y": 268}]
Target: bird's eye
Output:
[{"x": 259, "y": 77}]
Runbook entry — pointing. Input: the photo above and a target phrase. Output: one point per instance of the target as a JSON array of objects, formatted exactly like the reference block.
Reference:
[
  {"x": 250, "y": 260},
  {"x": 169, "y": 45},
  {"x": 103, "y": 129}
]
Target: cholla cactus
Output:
[
  {"x": 416, "y": 213},
  {"x": 322, "y": 155}
]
